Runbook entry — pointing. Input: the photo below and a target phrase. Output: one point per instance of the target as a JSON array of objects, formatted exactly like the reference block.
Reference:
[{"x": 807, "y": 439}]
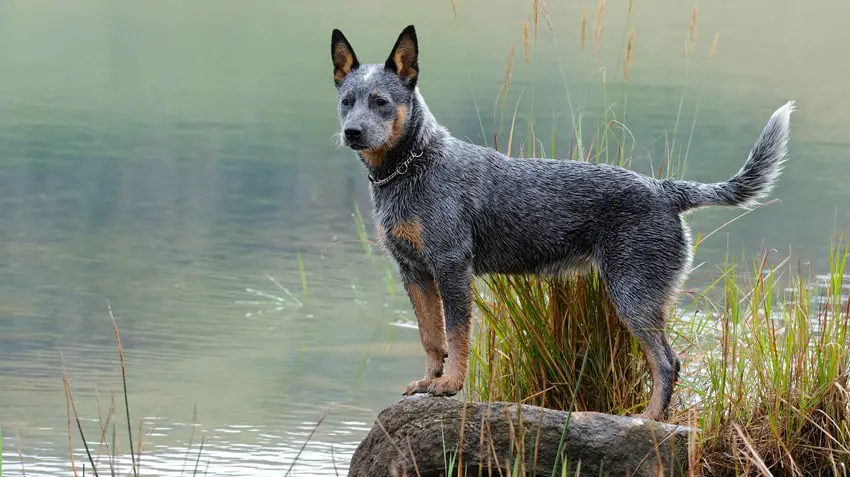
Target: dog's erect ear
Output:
[
  {"x": 404, "y": 59},
  {"x": 342, "y": 55}
]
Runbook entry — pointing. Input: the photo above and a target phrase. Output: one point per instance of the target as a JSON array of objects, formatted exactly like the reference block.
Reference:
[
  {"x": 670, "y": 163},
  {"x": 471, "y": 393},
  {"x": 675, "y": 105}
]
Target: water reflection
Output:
[{"x": 171, "y": 159}]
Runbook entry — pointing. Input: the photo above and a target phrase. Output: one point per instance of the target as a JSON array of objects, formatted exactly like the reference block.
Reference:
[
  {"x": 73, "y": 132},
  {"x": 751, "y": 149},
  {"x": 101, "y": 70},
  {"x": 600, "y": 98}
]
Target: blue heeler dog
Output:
[{"x": 447, "y": 210}]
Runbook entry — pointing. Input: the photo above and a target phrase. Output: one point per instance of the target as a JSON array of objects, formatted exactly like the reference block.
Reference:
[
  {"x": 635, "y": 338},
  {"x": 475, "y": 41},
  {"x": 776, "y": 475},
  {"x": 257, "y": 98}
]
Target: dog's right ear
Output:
[{"x": 342, "y": 55}]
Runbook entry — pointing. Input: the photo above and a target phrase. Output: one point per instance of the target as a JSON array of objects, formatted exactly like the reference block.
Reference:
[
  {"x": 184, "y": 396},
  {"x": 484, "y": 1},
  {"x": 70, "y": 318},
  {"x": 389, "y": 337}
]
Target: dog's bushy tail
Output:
[{"x": 753, "y": 182}]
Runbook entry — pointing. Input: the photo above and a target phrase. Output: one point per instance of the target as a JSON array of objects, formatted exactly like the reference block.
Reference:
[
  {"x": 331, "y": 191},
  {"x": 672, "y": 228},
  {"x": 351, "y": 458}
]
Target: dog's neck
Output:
[{"x": 421, "y": 131}]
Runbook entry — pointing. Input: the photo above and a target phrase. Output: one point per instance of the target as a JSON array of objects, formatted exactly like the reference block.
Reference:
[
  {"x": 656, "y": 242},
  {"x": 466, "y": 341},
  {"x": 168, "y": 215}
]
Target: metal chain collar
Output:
[{"x": 400, "y": 169}]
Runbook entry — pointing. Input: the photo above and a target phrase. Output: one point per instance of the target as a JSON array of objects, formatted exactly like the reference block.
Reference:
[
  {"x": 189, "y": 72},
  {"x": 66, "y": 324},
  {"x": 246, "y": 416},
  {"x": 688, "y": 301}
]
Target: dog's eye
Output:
[
  {"x": 379, "y": 101},
  {"x": 347, "y": 101}
]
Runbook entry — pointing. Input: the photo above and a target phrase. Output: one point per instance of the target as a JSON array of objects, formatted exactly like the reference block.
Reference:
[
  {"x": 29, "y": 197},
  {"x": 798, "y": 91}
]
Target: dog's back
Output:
[{"x": 536, "y": 215}]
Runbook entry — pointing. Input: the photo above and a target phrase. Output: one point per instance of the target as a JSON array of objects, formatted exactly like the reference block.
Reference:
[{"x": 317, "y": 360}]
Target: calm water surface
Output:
[{"x": 174, "y": 159}]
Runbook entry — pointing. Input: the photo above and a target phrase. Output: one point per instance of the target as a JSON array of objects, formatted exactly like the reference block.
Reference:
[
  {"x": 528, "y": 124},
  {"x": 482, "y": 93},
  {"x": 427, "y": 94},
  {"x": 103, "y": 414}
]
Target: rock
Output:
[{"x": 419, "y": 435}]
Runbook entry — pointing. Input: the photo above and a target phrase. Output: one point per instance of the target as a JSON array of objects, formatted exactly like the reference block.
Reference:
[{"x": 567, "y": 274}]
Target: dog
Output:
[{"x": 447, "y": 210}]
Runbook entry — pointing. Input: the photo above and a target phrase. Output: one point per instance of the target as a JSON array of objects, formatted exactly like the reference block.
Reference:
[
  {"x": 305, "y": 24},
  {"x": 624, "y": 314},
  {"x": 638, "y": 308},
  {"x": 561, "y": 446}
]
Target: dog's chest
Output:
[
  {"x": 404, "y": 247},
  {"x": 400, "y": 228}
]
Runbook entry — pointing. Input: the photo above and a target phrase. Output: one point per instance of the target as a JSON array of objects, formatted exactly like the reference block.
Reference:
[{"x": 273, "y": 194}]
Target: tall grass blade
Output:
[
  {"x": 70, "y": 399},
  {"x": 124, "y": 383},
  {"x": 304, "y": 445}
]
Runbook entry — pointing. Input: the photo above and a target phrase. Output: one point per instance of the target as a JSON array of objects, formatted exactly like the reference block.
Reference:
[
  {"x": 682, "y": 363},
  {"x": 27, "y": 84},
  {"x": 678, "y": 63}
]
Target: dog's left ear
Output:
[{"x": 404, "y": 59}]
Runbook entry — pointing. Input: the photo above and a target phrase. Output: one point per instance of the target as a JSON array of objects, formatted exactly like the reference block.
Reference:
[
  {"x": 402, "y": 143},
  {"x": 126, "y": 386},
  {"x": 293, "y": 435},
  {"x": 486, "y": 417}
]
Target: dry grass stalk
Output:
[
  {"x": 104, "y": 427},
  {"x": 546, "y": 16},
  {"x": 693, "y": 34},
  {"x": 598, "y": 25},
  {"x": 752, "y": 455},
  {"x": 535, "y": 5},
  {"x": 713, "y": 47},
  {"x": 526, "y": 44},
  {"x": 70, "y": 443},
  {"x": 583, "y": 27},
  {"x": 513, "y": 126},
  {"x": 124, "y": 382},
  {"x": 300, "y": 450},
  {"x": 71, "y": 405},
  {"x": 627, "y": 62},
  {"x": 191, "y": 437},
  {"x": 509, "y": 65}
]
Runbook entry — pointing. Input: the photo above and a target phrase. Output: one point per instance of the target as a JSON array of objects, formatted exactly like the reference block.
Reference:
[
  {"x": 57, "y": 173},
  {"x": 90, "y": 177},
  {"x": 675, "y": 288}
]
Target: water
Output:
[{"x": 174, "y": 159}]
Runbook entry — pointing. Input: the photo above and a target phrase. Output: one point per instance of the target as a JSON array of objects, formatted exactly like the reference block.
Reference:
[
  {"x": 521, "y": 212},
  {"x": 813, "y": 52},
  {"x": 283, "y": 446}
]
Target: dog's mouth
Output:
[{"x": 356, "y": 145}]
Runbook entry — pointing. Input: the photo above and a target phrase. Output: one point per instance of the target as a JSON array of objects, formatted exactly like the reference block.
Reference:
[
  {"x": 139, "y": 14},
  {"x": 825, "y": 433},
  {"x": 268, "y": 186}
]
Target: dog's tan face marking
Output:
[
  {"x": 398, "y": 124},
  {"x": 409, "y": 231},
  {"x": 375, "y": 157},
  {"x": 429, "y": 313}
]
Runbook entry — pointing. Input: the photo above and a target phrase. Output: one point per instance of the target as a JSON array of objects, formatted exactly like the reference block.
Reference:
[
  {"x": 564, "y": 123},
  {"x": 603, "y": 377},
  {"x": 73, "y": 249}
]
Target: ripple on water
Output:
[{"x": 255, "y": 452}]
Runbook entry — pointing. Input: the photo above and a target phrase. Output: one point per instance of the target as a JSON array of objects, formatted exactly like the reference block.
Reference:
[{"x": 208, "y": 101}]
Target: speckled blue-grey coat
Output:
[{"x": 447, "y": 210}]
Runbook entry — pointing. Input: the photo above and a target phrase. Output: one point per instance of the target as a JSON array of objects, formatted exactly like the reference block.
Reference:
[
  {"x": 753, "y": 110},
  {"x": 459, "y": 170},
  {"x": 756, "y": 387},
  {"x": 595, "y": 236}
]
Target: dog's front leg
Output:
[
  {"x": 454, "y": 284},
  {"x": 428, "y": 307}
]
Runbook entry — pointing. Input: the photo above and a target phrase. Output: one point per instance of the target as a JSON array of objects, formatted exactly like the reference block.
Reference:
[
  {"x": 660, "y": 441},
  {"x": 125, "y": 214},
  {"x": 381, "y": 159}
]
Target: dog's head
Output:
[{"x": 374, "y": 100}]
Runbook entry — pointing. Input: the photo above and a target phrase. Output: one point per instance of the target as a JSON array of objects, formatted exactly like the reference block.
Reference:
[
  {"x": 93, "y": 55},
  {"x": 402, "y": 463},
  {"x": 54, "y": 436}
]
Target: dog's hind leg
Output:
[
  {"x": 640, "y": 295},
  {"x": 663, "y": 365},
  {"x": 428, "y": 308}
]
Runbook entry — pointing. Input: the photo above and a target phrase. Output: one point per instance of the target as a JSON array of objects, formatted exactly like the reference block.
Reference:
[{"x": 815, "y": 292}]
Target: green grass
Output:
[{"x": 777, "y": 374}]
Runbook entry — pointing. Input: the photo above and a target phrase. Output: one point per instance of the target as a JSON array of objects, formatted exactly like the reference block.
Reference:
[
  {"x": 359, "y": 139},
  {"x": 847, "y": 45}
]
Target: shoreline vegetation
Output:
[{"x": 765, "y": 348}]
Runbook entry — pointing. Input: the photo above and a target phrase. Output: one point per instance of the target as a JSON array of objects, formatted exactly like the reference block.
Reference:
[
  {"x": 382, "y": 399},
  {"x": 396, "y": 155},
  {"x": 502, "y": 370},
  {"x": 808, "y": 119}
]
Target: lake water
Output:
[{"x": 175, "y": 159}]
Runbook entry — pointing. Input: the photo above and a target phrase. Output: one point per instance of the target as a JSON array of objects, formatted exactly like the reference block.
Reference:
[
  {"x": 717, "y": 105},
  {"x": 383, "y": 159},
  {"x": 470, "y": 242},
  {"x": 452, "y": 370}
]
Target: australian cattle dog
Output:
[{"x": 448, "y": 210}]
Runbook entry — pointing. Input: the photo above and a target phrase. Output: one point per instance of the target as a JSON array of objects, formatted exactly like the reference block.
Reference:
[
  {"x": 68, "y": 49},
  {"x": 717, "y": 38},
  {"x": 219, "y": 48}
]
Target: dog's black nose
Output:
[{"x": 352, "y": 134}]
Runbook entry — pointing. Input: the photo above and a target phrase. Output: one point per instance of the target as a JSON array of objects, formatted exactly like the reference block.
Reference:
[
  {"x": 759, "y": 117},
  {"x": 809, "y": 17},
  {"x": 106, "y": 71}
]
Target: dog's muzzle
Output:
[{"x": 354, "y": 138}]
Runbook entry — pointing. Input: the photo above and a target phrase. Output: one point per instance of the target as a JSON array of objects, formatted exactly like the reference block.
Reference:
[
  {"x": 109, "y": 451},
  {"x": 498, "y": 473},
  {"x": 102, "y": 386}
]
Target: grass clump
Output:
[
  {"x": 776, "y": 395},
  {"x": 537, "y": 334}
]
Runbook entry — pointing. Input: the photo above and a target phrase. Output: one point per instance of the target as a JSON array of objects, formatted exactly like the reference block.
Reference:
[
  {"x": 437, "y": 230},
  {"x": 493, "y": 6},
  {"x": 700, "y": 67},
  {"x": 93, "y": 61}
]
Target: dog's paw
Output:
[
  {"x": 418, "y": 386},
  {"x": 649, "y": 416},
  {"x": 445, "y": 386}
]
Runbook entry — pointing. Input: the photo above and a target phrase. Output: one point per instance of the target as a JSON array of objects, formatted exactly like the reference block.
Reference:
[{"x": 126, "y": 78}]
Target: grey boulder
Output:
[{"x": 432, "y": 436}]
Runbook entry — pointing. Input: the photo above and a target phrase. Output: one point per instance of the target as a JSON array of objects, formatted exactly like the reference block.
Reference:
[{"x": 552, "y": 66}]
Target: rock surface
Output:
[{"x": 419, "y": 435}]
